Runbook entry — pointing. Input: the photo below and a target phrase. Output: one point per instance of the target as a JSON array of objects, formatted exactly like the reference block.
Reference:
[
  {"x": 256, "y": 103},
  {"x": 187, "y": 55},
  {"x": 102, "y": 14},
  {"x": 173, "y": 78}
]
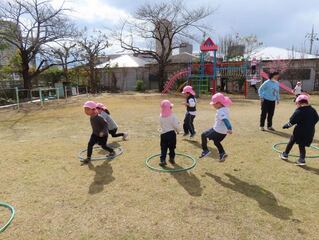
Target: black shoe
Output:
[
  {"x": 301, "y": 162},
  {"x": 162, "y": 164},
  {"x": 86, "y": 161},
  {"x": 172, "y": 161},
  {"x": 185, "y": 134},
  {"x": 111, "y": 155},
  {"x": 284, "y": 156},
  {"x": 222, "y": 157}
]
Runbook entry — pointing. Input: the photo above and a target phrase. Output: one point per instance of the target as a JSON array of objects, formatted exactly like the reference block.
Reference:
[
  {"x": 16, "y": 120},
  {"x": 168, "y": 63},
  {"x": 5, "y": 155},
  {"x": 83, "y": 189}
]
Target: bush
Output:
[{"x": 140, "y": 86}]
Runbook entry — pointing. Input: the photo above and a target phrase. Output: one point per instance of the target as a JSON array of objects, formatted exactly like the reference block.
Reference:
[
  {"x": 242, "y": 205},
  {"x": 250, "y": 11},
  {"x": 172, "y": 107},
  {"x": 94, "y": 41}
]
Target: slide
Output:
[
  {"x": 281, "y": 85},
  {"x": 171, "y": 81}
]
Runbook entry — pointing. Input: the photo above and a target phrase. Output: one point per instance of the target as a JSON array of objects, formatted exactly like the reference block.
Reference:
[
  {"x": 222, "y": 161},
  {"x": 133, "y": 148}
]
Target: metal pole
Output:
[
  {"x": 40, "y": 94},
  {"x": 17, "y": 96},
  {"x": 66, "y": 93},
  {"x": 31, "y": 95},
  {"x": 57, "y": 93}
]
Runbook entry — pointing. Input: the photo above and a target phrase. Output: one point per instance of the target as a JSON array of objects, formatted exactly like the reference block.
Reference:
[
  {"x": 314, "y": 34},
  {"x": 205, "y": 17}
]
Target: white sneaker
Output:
[{"x": 125, "y": 136}]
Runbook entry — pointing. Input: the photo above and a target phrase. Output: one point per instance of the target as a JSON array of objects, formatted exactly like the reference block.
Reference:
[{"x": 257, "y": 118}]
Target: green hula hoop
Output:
[
  {"x": 119, "y": 152},
  {"x": 4, "y": 227},
  {"x": 147, "y": 160},
  {"x": 274, "y": 147}
]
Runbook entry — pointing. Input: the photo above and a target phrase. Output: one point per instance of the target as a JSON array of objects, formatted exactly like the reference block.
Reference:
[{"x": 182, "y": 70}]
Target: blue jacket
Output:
[{"x": 269, "y": 90}]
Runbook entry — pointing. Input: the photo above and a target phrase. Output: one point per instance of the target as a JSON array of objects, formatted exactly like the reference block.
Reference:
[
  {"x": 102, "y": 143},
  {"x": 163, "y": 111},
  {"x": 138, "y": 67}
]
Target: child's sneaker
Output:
[
  {"x": 204, "y": 153},
  {"x": 86, "y": 161},
  {"x": 162, "y": 163},
  {"x": 192, "y": 136},
  {"x": 172, "y": 161},
  {"x": 111, "y": 155},
  {"x": 271, "y": 129},
  {"x": 301, "y": 162},
  {"x": 125, "y": 136},
  {"x": 262, "y": 129},
  {"x": 185, "y": 134},
  {"x": 222, "y": 157},
  {"x": 284, "y": 156}
]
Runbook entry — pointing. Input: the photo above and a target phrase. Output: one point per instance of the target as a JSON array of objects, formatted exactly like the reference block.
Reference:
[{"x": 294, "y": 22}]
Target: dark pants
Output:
[
  {"x": 168, "y": 141},
  {"x": 188, "y": 125},
  {"x": 302, "y": 148},
  {"x": 254, "y": 87},
  {"x": 297, "y": 95},
  {"x": 253, "y": 69},
  {"x": 114, "y": 134},
  {"x": 97, "y": 140},
  {"x": 267, "y": 110},
  {"x": 211, "y": 134}
]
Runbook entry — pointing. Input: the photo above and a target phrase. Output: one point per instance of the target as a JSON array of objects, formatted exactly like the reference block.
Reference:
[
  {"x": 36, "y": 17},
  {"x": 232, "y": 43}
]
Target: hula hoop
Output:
[
  {"x": 147, "y": 160},
  {"x": 2, "y": 204},
  {"x": 274, "y": 147},
  {"x": 118, "y": 152}
]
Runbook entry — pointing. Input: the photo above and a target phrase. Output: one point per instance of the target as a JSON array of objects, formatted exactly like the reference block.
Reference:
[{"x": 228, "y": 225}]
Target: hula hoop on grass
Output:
[
  {"x": 4, "y": 227},
  {"x": 274, "y": 147},
  {"x": 147, "y": 160},
  {"x": 118, "y": 152}
]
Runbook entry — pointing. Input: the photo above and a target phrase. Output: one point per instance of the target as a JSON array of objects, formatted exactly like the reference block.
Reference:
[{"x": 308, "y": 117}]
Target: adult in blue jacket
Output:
[{"x": 269, "y": 95}]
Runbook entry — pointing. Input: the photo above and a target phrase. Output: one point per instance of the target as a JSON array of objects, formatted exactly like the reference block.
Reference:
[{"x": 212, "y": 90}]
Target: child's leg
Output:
[
  {"x": 103, "y": 143},
  {"x": 186, "y": 123},
  {"x": 217, "y": 138},
  {"x": 290, "y": 144},
  {"x": 302, "y": 151},
  {"x": 263, "y": 115},
  {"x": 205, "y": 135},
  {"x": 271, "y": 111},
  {"x": 191, "y": 124},
  {"x": 164, "y": 147},
  {"x": 172, "y": 145},
  {"x": 93, "y": 140},
  {"x": 114, "y": 134},
  {"x": 256, "y": 90}
]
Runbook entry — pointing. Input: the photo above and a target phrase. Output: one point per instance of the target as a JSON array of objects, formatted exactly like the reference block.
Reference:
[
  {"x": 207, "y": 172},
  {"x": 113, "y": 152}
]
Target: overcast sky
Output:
[{"x": 279, "y": 23}]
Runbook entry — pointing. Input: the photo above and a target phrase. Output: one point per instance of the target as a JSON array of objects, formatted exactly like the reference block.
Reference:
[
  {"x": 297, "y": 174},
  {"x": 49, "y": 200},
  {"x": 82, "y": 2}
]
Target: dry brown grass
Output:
[{"x": 253, "y": 195}]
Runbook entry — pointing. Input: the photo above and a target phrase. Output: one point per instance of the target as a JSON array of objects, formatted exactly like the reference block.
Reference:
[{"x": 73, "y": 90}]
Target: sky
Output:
[{"x": 279, "y": 23}]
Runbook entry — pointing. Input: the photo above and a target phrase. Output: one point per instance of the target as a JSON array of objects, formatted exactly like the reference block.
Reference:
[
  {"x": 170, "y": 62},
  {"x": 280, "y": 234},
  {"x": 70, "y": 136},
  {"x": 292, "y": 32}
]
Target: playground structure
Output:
[{"x": 205, "y": 75}]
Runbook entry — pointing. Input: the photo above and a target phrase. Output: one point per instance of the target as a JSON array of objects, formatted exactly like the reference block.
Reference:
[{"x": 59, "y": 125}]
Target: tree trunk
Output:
[
  {"x": 92, "y": 79},
  {"x": 25, "y": 71},
  {"x": 161, "y": 76}
]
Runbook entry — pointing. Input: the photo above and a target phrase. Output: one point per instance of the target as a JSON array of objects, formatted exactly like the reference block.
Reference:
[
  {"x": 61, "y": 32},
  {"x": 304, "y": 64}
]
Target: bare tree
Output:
[
  {"x": 66, "y": 54},
  {"x": 92, "y": 47},
  {"x": 165, "y": 25},
  {"x": 32, "y": 26}
]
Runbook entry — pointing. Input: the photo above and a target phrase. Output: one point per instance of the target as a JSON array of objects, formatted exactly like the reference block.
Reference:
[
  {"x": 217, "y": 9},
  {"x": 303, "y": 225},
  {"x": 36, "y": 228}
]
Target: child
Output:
[
  {"x": 297, "y": 90},
  {"x": 111, "y": 124},
  {"x": 99, "y": 128},
  {"x": 305, "y": 117},
  {"x": 253, "y": 83},
  {"x": 253, "y": 65},
  {"x": 190, "y": 111},
  {"x": 221, "y": 128},
  {"x": 169, "y": 127}
]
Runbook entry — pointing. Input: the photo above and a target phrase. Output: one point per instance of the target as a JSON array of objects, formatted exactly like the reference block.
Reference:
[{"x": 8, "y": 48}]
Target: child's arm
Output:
[
  {"x": 294, "y": 119},
  {"x": 228, "y": 125},
  {"x": 176, "y": 125}
]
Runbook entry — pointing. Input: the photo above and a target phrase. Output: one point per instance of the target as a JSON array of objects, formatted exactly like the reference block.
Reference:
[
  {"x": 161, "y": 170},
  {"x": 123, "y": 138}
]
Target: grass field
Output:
[{"x": 253, "y": 195}]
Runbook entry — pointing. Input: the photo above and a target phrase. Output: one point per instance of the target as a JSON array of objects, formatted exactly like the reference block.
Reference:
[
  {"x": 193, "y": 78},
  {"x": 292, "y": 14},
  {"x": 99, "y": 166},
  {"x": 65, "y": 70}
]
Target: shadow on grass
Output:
[
  {"x": 113, "y": 145},
  {"x": 286, "y": 135},
  {"x": 266, "y": 199},
  {"x": 188, "y": 181},
  {"x": 213, "y": 151},
  {"x": 307, "y": 168},
  {"x": 103, "y": 176}
]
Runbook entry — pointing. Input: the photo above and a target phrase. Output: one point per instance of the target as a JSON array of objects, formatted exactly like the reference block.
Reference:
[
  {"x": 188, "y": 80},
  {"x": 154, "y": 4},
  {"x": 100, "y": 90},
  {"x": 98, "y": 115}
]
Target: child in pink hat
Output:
[
  {"x": 190, "y": 115},
  {"x": 297, "y": 90},
  {"x": 169, "y": 127},
  {"x": 99, "y": 131},
  {"x": 221, "y": 128},
  {"x": 305, "y": 117},
  {"x": 112, "y": 126}
]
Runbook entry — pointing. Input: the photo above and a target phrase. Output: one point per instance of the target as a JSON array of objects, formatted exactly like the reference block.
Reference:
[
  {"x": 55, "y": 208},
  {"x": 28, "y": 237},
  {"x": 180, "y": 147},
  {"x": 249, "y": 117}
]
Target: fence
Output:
[{"x": 16, "y": 97}]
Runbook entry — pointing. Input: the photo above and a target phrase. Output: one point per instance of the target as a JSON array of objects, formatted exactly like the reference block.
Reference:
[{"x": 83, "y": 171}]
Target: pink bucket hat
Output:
[
  {"x": 220, "y": 98},
  {"x": 188, "y": 89},
  {"x": 100, "y": 105},
  {"x": 90, "y": 104},
  {"x": 166, "y": 110},
  {"x": 302, "y": 97}
]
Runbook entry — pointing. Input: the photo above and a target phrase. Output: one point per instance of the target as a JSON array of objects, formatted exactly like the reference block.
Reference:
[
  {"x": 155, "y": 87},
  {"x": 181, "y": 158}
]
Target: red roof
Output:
[{"x": 208, "y": 45}]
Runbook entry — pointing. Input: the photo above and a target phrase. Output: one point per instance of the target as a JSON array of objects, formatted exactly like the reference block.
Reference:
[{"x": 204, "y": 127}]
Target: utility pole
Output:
[{"x": 312, "y": 37}]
